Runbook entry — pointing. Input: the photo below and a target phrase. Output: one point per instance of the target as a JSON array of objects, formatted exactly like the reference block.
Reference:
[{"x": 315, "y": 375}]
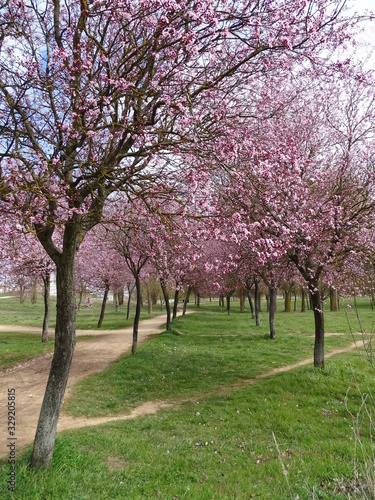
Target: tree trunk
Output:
[
  {"x": 34, "y": 294},
  {"x": 228, "y": 303},
  {"x": 272, "y": 311},
  {"x": 47, "y": 289},
  {"x": 175, "y": 303},
  {"x": 288, "y": 301},
  {"x": 130, "y": 290},
  {"x": 257, "y": 303},
  {"x": 267, "y": 303},
  {"x": 22, "y": 294},
  {"x": 116, "y": 301},
  {"x": 303, "y": 297},
  {"x": 149, "y": 300},
  {"x": 121, "y": 297},
  {"x": 102, "y": 311},
  {"x": 137, "y": 314},
  {"x": 80, "y": 300},
  {"x": 295, "y": 301},
  {"x": 167, "y": 306},
  {"x": 319, "y": 327},
  {"x": 65, "y": 339},
  {"x": 333, "y": 300},
  {"x": 251, "y": 304},
  {"x": 242, "y": 302},
  {"x": 198, "y": 300},
  {"x": 372, "y": 300},
  {"x": 186, "y": 300}
]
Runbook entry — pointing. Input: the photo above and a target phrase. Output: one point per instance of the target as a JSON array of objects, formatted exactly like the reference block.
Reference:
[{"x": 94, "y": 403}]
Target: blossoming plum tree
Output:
[
  {"x": 24, "y": 261},
  {"x": 94, "y": 93},
  {"x": 307, "y": 187}
]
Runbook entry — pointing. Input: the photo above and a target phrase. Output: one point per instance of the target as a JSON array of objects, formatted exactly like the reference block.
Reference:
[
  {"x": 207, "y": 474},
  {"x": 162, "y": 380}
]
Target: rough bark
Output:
[
  {"x": 319, "y": 327},
  {"x": 116, "y": 301},
  {"x": 175, "y": 303},
  {"x": 167, "y": 305},
  {"x": 251, "y": 304},
  {"x": 333, "y": 300},
  {"x": 104, "y": 302},
  {"x": 228, "y": 295},
  {"x": 65, "y": 339},
  {"x": 272, "y": 311},
  {"x": 288, "y": 301},
  {"x": 242, "y": 301},
  {"x": 316, "y": 306},
  {"x": 137, "y": 314},
  {"x": 149, "y": 300},
  {"x": 188, "y": 292},
  {"x": 121, "y": 297},
  {"x": 34, "y": 294},
  {"x": 130, "y": 291},
  {"x": 80, "y": 300},
  {"x": 257, "y": 303},
  {"x": 47, "y": 290},
  {"x": 22, "y": 294}
]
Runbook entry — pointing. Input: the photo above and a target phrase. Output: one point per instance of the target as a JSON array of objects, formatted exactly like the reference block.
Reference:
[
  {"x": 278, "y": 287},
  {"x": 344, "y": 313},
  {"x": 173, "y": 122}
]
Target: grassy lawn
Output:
[
  {"x": 217, "y": 440},
  {"x": 28, "y": 314},
  {"x": 15, "y": 347},
  {"x": 203, "y": 352}
]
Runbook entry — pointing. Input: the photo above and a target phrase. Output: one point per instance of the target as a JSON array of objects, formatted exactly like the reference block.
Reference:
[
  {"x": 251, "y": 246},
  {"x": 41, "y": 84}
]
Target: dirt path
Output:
[{"x": 29, "y": 380}]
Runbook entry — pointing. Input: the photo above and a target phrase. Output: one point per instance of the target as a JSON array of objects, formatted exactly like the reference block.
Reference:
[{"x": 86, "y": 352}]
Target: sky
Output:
[{"x": 368, "y": 36}]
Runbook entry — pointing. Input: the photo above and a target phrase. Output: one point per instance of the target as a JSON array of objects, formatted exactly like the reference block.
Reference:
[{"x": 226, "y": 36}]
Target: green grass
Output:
[
  {"x": 213, "y": 443},
  {"x": 15, "y": 347},
  {"x": 28, "y": 314},
  {"x": 203, "y": 352}
]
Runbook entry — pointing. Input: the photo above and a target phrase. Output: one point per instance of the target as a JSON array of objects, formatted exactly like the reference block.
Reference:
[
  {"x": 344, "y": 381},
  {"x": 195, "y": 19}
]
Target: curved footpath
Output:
[{"x": 29, "y": 379}]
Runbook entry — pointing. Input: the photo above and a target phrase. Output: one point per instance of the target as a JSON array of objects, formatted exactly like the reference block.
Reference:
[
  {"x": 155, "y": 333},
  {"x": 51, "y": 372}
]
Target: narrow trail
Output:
[
  {"x": 29, "y": 380},
  {"x": 152, "y": 407}
]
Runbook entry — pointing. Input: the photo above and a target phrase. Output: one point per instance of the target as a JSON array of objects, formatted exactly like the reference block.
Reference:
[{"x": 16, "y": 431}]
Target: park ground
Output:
[{"x": 217, "y": 410}]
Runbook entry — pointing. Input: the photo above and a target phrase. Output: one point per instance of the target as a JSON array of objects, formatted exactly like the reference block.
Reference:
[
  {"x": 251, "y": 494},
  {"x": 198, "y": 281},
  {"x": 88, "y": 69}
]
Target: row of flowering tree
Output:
[
  {"x": 303, "y": 191},
  {"x": 105, "y": 97}
]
